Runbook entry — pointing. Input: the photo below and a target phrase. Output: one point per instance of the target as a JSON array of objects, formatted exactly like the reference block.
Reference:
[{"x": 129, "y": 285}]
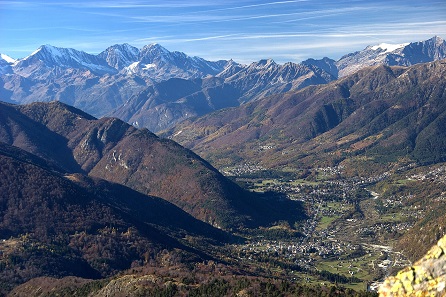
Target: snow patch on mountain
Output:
[
  {"x": 47, "y": 58},
  {"x": 7, "y": 58},
  {"x": 132, "y": 68},
  {"x": 5, "y": 64},
  {"x": 387, "y": 47},
  {"x": 149, "y": 66},
  {"x": 404, "y": 54}
]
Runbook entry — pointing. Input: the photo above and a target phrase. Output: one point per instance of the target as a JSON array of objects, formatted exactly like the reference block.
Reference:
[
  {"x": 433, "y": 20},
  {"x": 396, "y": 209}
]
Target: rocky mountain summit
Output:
[
  {"x": 48, "y": 57},
  {"x": 405, "y": 54},
  {"x": 427, "y": 277}
]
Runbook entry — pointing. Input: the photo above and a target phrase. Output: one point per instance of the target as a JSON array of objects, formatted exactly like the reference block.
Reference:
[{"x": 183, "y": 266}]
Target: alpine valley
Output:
[{"x": 320, "y": 178}]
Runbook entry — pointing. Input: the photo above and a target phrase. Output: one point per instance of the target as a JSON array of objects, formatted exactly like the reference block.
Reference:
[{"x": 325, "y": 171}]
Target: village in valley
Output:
[{"x": 347, "y": 236}]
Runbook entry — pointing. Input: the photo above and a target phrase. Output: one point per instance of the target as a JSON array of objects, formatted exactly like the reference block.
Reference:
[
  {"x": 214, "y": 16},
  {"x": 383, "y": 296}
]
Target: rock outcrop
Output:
[{"x": 427, "y": 277}]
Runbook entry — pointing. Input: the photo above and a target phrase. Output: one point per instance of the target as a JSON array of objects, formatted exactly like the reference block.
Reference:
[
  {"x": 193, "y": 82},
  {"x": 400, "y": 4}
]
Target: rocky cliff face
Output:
[{"x": 427, "y": 277}]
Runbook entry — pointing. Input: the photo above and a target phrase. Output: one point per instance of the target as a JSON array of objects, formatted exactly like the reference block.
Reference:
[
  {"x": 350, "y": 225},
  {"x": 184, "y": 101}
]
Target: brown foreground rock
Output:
[{"x": 427, "y": 277}]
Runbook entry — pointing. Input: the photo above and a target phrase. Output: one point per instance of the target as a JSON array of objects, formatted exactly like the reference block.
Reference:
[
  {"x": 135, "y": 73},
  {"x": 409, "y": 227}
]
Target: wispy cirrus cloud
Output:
[
  {"x": 112, "y": 4},
  {"x": 254, "y": 5},
  {"x": 283, "y": 17}
]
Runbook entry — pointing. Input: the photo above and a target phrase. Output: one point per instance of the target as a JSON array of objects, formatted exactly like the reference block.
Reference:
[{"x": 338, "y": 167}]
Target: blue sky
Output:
[{"x": 244, "y": 30}]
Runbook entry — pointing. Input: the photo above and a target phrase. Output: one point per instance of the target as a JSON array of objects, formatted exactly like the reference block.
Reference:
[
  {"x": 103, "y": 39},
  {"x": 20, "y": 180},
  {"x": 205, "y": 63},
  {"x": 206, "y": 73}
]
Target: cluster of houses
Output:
[{"x": 331, "y": 199}]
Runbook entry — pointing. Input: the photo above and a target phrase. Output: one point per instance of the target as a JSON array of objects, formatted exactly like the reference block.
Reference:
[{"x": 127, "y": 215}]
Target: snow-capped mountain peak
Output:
[
  {"x": 48, "y": 56},
  {"x": 50, "y": 52},
  {"x": 173, "y": 64},
  {"x": 404, "y": 54}
]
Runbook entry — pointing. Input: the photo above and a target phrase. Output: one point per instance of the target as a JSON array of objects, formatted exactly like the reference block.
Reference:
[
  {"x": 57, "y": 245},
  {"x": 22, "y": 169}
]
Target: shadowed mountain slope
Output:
[
  {"x": 112, "y": 150},
  {"x": 54, "y": 223}
]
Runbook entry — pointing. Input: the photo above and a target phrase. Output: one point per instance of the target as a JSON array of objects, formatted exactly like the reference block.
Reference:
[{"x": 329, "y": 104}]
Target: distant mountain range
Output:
[
  {"x": 378, "y": 114},
  {"x": 155, "y": 88}
]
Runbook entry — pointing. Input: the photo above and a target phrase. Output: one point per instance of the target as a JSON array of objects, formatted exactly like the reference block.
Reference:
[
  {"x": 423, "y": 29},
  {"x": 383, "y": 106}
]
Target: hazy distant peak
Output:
[
  {"x": 119, "y": 56},
  {"x": 266, "y": 62},
  {"x": 154, "y": 48},
  {"x": 124, "y": 47},
  {"x": 437, "y": 39}
]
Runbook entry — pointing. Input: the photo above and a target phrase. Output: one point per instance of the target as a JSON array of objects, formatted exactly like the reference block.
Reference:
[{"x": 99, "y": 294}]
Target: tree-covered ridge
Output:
[
  {"x": 205, "y": 279},
  {"x": 110, "y": 149},
  {"x": 58, "y": 224}
]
